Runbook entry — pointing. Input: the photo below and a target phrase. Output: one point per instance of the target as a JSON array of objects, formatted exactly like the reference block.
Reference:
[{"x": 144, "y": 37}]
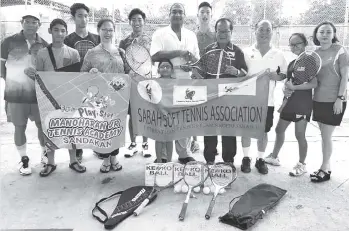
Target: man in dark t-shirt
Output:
[
  {"x": 237, "y": 68},
  {"x": 79, "y": 12}
]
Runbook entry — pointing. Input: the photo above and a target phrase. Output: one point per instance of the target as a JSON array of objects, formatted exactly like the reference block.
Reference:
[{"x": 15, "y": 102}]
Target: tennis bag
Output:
[
  {"x": 252, "y": 206},
  {"x": 128, "y": 202}
]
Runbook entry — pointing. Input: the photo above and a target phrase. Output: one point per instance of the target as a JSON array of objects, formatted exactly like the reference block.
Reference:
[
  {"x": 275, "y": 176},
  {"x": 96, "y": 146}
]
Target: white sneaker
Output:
[
  {"x": 271, "y": 160},
  {"x": 24, "y": 168},
  {"x": 145, "y": 151},
  {"x": 132, "y": 150},
  {"x": 298, "y": 170}
]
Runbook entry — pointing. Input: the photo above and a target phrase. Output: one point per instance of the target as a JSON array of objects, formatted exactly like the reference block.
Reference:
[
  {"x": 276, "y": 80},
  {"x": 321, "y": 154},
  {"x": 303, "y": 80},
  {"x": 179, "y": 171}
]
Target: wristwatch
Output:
[{"x": 341, "y": 97}]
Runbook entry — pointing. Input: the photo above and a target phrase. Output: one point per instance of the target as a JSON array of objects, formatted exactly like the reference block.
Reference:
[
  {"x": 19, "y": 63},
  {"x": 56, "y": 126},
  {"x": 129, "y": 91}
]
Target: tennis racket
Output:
[
  {"x": 139, "y": 59},
  {"x": 83, "y": 46},
  {"x": 305, "y": 68},
  {"x": 47, "y": 108},
  {"x": 214, "y": 62},
  {"x": 194, "y": 174},
  {"x": 158, "y": 187},
  {"x": 222, "y": 174}
]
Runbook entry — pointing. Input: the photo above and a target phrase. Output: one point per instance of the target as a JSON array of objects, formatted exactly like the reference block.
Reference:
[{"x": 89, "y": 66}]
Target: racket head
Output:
[
  {"x": 213, "y": 62},
  {"x": 83, "y": 46},
  {"x": 306, "y": 67},
  {"x": 222, "y": 174},
  {"x": 195, "y": 173},
  {"x": 139, "y": 59}
]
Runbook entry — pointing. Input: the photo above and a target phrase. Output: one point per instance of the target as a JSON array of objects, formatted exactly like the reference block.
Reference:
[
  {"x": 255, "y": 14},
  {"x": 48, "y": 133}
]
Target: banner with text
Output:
[
  {"x": 82, "y": 110},
  {"x": 170, "y": 109}
]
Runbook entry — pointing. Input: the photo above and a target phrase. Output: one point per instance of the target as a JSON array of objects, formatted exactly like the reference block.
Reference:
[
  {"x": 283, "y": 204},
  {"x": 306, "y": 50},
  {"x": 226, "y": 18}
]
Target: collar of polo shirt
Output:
[{"x": 229, "y": 46}]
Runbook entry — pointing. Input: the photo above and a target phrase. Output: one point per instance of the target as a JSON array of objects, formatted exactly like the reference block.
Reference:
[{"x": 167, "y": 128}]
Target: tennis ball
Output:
[
  {"x": 185, "y": 188},
  {"x": 197, "y": 189},
  {"x": 222, "y": 190},
  {"x": 206, "y": 190},
  {"x": 177, "y": 188}
]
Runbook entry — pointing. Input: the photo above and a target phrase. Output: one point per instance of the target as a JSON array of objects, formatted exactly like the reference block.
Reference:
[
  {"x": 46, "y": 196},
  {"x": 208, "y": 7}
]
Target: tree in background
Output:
[{"x": 321, "y": 10}]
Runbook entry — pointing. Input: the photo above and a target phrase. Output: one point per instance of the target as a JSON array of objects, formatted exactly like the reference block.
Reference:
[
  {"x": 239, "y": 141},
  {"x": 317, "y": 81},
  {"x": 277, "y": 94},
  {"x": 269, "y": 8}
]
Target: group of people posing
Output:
[{"x": 25, "y": 53}]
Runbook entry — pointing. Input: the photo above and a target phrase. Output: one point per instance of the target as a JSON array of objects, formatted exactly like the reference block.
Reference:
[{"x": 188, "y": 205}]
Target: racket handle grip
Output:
[
  {"x": 141, "y": 207},
  {"x": 282, "y": 105},
  {"x": 209, "y": 210},
  {"x": 183, "y": 212}
]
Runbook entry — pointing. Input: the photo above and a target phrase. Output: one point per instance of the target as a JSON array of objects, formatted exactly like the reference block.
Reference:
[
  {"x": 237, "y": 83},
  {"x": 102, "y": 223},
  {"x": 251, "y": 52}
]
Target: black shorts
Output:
[
  {"x": 293, "y": 117},
  {"x": 270, "y": 119},
  {"x": 323, "y": 113}
]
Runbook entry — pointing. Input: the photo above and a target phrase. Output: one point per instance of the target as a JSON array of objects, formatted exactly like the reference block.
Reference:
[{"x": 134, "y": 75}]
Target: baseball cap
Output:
[{"x": 31, "y": 13}]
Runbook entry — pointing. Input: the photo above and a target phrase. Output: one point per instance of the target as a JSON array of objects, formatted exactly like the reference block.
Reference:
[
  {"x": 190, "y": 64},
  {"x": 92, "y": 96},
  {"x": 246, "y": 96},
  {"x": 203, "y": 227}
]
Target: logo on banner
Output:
[
  {"x": 189, "y": 95},
  {"x": 237, "y": 89},
  {"x": 150, "y": 91}
]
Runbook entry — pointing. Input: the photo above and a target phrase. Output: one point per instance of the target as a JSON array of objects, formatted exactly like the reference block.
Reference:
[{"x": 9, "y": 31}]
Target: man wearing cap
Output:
[
  {"x": 20, "y": 96},
  {"x": 180, "y": 45}
]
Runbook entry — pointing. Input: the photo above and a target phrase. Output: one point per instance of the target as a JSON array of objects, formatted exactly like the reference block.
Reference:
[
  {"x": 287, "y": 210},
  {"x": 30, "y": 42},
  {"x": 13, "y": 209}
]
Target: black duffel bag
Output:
[{"x": 252, "y": 206}]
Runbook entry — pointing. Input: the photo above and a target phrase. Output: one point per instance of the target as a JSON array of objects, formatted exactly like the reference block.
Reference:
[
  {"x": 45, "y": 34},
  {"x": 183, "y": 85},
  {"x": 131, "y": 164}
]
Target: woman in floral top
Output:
[{"x": 105, "y": 58}]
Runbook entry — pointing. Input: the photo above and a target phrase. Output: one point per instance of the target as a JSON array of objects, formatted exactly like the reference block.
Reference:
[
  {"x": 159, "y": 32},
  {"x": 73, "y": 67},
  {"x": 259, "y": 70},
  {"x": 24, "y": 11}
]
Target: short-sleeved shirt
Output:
[
  {"x": 19, "y": 88},
  {"x": 301, "y": 100},
  {"x": 103, "y": 60},
  {"x": 236, "y": 59},
  {"x": 205, "y": 39},
  {"x": 165, "y": 39},
  {"x": 329, "y": 77},
  {"x": 73, "y": 38},
  {"x": 64, "y": 56},
  {"x": 143, "y": 40},
  {"x": 273, "y": 59}
]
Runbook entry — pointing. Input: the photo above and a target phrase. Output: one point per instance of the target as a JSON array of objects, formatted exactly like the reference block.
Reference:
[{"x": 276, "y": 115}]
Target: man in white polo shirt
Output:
[
  {"x": 180, "y": 45},
  {"x": 259, "y": 57}
]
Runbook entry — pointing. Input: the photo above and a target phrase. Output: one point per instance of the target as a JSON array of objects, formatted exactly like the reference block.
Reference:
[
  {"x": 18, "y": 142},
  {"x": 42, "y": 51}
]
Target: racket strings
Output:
[
  {"x": 222, "y": 174},
  {"x": 306, "y": 67},
  {"x": 194, "y": 174},
  {"x": 83, "y": 46}
]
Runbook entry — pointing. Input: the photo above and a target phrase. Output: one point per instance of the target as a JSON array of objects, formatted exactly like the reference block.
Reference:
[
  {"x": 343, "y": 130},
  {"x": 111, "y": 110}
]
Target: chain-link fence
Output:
[{"x": 288, "y": 16}]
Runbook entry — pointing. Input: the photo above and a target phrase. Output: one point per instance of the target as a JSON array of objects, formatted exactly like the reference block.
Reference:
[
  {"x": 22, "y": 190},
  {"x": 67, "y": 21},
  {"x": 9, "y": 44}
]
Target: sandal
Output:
[
  {"x": 48, "y": 169},
  {"x": 105, "y": 168},
  {"x": 77, "y": 167},
  {"x": 116, "y": 167},
  {"x": 321, "y": 176}
]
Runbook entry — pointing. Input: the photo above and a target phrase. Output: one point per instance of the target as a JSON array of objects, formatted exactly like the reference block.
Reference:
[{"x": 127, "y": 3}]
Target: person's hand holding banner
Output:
[
  {"x": 30, "y": 72},
  {"x": 94, "y": 71},
  {"x": 231, "y": 70}
]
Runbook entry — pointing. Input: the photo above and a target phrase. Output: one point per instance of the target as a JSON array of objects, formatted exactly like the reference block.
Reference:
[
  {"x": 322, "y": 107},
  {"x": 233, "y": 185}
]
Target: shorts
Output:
[
  {"x": 293, "y": 117},
  {"x": 19, "y": 113},
  {"x": 270, "y": 119},
  {"x": 323, "y": 113}
]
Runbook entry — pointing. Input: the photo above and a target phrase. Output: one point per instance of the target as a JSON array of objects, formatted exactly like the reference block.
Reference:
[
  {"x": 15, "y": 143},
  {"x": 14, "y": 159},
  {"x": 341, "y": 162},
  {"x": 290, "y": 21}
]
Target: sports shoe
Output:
[
  {"x": 298, "y": 170},
  {"x": 44, "y": 159},
  {"x": 145, "y": 152},
  {"x": 272, "y": 160},
  {"x": 261, "y": 166},
  {"x": 132, "y": 150},
  {"x": 24, "y": 168},
  {"x": 246, "y": 165},
  {"x": 194, "y": 147}
]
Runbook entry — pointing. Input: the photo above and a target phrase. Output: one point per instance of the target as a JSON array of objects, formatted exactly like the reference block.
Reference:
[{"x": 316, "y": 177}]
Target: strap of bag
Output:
[
  {"x": 101, "y": 210},
  {"x": 50, "y": 53}
]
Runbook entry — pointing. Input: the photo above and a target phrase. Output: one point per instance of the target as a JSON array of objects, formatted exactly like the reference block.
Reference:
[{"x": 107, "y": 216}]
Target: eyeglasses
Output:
[
  {"x": 34, "y": 23},
  {"x": 107, "y": 31},
  {"x": 295, "y": 45}
]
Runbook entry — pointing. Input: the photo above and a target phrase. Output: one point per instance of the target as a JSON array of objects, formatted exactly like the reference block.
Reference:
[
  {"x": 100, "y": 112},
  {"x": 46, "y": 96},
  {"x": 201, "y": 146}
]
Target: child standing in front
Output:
[{"x": 164, "y": 149}]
